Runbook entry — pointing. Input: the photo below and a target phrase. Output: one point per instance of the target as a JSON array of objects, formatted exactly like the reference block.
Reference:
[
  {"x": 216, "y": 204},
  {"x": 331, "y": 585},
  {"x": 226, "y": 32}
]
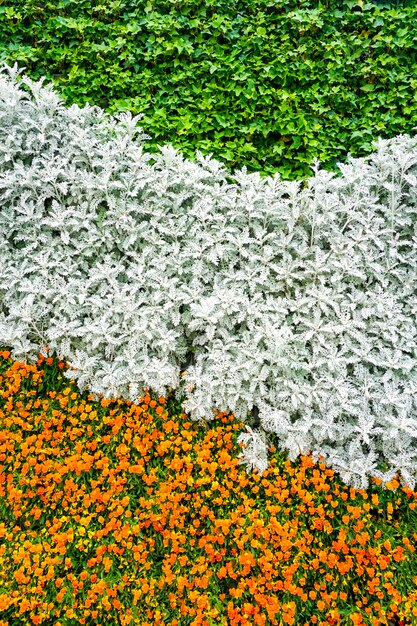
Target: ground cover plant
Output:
[
  {"x": 113, "y": 512},
  {"x": 248, "y": 81}
]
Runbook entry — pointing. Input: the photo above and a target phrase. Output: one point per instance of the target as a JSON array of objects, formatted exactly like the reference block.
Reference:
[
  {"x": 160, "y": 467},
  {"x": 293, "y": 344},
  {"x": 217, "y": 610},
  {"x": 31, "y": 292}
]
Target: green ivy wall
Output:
[{"x": 266, "y": 84}]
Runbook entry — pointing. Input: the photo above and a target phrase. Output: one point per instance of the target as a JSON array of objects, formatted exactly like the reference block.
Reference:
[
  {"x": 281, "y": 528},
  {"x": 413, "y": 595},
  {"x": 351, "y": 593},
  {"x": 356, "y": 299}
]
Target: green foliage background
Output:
[{"x": 270, "y": 84}]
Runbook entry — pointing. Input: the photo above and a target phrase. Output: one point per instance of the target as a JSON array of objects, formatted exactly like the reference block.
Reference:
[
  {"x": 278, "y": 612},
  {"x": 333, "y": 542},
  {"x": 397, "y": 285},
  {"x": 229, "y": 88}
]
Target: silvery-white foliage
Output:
[
  {"x": 297, "y": 298},
  {"x": 255, "y": 454}
]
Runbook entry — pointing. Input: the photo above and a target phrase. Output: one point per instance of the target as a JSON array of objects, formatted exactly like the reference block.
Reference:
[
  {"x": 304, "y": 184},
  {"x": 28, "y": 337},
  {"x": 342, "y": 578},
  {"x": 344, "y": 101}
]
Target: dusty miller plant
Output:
[{"x": 297, "y": 298}]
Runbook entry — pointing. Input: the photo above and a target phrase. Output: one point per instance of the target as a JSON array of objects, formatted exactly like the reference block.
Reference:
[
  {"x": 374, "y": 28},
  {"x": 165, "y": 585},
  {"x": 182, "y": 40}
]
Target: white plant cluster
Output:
[{"x": 299, "y": 299}]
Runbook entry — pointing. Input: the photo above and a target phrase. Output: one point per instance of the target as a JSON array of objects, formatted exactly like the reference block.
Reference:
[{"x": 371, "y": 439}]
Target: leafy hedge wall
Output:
[{"x": 266, "y": 84}]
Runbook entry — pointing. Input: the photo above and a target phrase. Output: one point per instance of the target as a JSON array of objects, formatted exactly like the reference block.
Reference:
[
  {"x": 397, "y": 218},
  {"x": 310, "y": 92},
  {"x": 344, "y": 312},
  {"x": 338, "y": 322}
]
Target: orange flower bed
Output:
[{"x": 119, "y": 513}]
